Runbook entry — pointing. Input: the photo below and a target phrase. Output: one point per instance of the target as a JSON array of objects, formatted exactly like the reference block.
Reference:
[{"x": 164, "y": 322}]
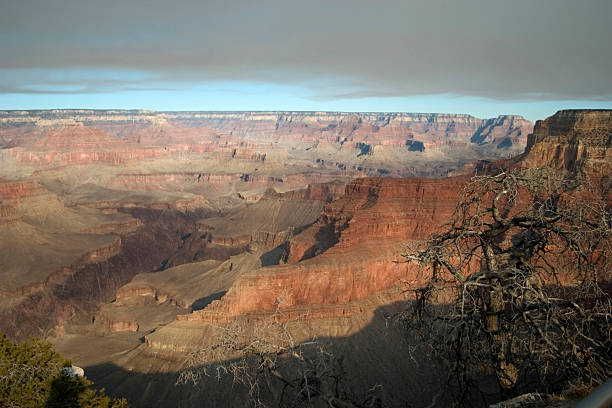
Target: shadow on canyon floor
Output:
[
  {"x": 380, "y": 354},
  {"x": 201, "y": 303}
]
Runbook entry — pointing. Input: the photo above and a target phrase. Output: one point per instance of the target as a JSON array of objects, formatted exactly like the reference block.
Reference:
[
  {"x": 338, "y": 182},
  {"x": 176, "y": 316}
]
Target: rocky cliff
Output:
[
  {"x": 68, "y": 144},
  {"x": 357, "y": 238},
  {"x": 397, "y": 144},
  {"x": 573, "y": 140},
  {"x": 419, "y": 130}
]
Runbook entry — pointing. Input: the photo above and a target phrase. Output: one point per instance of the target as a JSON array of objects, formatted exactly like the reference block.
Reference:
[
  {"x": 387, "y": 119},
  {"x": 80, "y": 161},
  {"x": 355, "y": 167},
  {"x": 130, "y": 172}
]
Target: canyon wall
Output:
[
  {"x": 573, "y": 140},
  {"x": 358, "y": 237},
  {"x": 395, "y": 144}
]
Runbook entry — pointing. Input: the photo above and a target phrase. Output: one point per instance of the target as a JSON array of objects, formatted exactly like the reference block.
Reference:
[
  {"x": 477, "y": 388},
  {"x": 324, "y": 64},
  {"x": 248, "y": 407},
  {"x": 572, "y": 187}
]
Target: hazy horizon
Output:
[{"x": 480, "y": 58}]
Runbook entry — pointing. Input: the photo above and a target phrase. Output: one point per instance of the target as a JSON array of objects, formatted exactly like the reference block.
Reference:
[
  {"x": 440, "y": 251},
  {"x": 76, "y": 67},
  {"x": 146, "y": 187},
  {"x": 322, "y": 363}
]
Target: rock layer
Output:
[
  {"x": 573, "y": 140},
  {"x": 369, "y": 226},
  {"x": 347, "y": 255}
]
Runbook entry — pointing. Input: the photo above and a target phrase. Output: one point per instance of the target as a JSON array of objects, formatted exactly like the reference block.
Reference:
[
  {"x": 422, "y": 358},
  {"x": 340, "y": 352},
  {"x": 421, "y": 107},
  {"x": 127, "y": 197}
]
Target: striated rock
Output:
[
  {"x": 337, "y": 264},
  {"x": 368, "y": 228},
  {"x": 505, "y": 132},
  {"x": 319, "y": 258},
  {"x": 387, "y": 209},
  {"x": 328, "y": 140},
  {"x": 110, "y": 201},
  {"x": 17, "y": 191},
  {"x": 76, "y": 144},
  {"x": 573, "y": 140},
  {"x": 8, "y": 214},
  {"x": 68, "y": 274},
  {"x": 113, "y": 318}
]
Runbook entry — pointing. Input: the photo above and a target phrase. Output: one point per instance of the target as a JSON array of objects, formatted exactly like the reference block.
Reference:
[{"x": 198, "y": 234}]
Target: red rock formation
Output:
[
  {"x": 8, "y": 214},
  {"x": 573, "y": 140},
  {"x": 15, "y": 191},
  {"x": 45, "y": 138},
  {"x": 409, "y": 209},
  {"x": 347, "y": 255},
  {"x": 76, "y": 144},
  {"x": 434, "y": 130},
  {"x": 371, "y": 223}
]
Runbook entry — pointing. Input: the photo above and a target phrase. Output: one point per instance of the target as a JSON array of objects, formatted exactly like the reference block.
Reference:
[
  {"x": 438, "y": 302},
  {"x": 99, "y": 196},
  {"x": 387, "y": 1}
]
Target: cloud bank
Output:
[{"x": 338, "y": 49}]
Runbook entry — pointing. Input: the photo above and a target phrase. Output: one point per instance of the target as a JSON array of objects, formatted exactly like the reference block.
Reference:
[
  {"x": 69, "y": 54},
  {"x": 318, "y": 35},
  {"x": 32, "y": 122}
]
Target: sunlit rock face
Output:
[
  {"x": 574, "y": 140},
  {"x": 347, "y": 255},
  {"x": 373, "y": 144},
  {"x": 502, "y": 136},
  {"x": 72, "y": 183}
]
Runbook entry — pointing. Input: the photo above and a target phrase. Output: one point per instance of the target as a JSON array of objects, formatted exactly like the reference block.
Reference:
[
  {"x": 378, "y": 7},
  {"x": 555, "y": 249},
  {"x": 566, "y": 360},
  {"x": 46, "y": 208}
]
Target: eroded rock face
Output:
[
  {"x": 398, "y": 210},
  {"x": 393, "y": 144},
  {"x": 348, "y": 254},
  {"x": 390, "y": 129},
  {"x": 17, "y": 191},
  {"x": 75, "y": 144},
  {"x": 356, "y": 239},
  {"x": 38, "y": 301},
  {"x": 573, "y": 140}
]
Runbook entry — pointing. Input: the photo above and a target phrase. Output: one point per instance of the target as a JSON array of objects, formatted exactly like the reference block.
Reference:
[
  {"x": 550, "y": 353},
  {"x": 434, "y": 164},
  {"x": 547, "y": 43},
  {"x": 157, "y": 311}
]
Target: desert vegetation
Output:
[
  {"x": 517, "y": 295},
  {"x": 33, "y": 375}
]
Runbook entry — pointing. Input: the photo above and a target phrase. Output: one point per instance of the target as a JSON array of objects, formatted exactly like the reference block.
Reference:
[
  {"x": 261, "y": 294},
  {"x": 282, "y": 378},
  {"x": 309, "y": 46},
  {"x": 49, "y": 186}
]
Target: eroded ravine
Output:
[{"x": 166, "y": 238}]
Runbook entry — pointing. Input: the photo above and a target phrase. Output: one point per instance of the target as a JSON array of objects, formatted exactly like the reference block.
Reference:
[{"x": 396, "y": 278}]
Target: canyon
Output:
[
  {"x": 74, "y": 184},
  {"x": 132, "y": 238}
]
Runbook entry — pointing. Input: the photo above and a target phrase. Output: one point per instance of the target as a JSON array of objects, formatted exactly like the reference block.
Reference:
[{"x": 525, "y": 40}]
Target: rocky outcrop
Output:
[
  {"x": 14, "y": 287},
  {"x": 388, "y": 129},
  {"x": 326, "y": 192},
  {"x": 114, "y": 325},
  {"x": 16, "y": 191},
  {"x": 573, "y": 140},
  {"x": 70, "y": 293},
  {"x": 504, "y": 132},
  {"x": 111, "y": 201},
  {"x": 8, "y": 214},
  {"x": 334, "y": 273},
  {"x": 271, "y": 220},
  {"x": 389, "y": 209},
  {"x": 347, "y": 255}
]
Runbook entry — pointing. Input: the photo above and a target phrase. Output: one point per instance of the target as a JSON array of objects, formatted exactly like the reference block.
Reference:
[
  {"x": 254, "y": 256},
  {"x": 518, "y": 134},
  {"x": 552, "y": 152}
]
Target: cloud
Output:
[{"x": 337, "y": 49}]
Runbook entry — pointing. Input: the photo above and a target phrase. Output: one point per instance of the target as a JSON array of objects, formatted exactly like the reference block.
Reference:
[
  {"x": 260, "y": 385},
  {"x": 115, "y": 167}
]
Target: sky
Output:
[{"x": 483, "y": 57}]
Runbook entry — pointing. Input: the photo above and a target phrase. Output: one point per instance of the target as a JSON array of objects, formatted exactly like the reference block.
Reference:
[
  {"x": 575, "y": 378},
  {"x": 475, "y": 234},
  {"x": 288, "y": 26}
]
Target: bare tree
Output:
[
  {"x": 276, "y": 369},
  {"x": 517, "y": 286}
]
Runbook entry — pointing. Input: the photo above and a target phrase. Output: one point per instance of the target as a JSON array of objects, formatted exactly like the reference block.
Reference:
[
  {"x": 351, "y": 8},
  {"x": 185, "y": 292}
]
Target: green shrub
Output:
[{"x": 32, "y": 375}]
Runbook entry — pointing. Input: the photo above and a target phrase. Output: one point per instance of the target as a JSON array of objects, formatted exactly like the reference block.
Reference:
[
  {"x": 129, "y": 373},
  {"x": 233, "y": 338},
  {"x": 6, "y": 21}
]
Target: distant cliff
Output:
[{"x": 503, "y": 136}]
